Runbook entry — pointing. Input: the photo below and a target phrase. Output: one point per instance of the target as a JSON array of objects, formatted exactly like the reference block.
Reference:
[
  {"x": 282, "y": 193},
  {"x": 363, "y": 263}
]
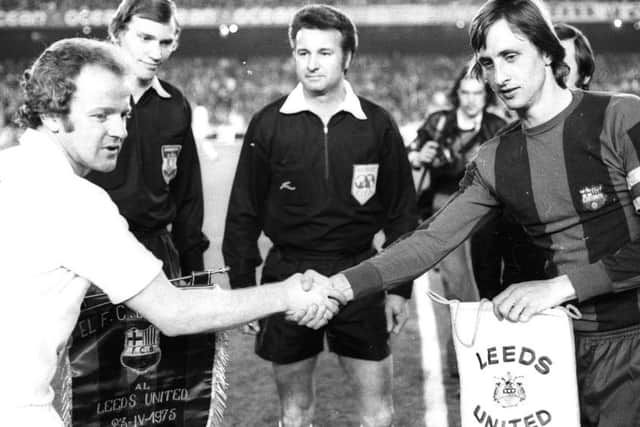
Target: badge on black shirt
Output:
[
  {"x": 363, "y": 184},
  {"x": 170, "y": 155}
]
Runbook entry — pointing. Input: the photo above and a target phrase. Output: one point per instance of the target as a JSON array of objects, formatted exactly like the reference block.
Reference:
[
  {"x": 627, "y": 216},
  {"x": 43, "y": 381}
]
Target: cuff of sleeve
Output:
[
  {"x": 404, "y": 290},
  {"x": 590, "y": 281},
  {"x": 364, "y": 279}
]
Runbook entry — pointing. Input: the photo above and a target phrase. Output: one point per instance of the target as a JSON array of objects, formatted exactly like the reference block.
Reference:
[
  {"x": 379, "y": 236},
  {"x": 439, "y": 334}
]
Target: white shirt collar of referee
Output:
[
  {"x": 160, "y": 90},
  {"x": 296, "y": 103}
]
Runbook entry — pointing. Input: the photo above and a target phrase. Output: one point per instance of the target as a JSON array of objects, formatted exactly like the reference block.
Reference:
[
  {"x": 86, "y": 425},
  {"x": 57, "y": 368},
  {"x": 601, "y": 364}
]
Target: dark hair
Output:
[
  {"x": 162, "y": 11},
  {"x": 584, "y": 54},
  {"x": 325, "y": 17},
  {"x": 50, "y": 82},
  {"x": 490, "y": 96},
  {"x": 527, "y": 17}
]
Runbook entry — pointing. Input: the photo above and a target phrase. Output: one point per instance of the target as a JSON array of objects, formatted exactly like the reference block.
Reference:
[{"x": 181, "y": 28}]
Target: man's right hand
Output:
[
  {"x": 311, "y": 305},
  {"x": 428, "y": 152}
]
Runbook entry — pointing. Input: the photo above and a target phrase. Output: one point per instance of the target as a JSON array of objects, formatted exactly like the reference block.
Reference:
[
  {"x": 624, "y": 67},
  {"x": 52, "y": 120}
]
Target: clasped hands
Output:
[{"x": 314, "y": 299}]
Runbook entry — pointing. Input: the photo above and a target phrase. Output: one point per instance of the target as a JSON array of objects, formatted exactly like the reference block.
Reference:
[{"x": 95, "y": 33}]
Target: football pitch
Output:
[{"x": 423, "y": 396}]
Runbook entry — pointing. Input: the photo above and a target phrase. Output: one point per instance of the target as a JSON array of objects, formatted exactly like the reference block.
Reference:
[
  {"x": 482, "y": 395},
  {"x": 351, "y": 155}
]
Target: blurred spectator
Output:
[
  {"x": 8, "y": 132},
  {"x": 406, "y": 85},
  {"x": 227, "y": 4},
  {"x": 578, "y": 55}
]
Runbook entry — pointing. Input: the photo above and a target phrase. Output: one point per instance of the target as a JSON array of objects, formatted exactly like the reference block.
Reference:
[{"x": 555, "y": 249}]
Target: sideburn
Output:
[{"x": 66, "y": 124}]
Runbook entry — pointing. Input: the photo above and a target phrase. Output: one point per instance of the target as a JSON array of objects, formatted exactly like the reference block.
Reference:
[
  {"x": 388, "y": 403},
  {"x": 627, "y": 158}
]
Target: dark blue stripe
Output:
[
  {"x": 592, "y": 191},
  {"x": 634, "y": 135},
  {"x": 523, "y": 260}
]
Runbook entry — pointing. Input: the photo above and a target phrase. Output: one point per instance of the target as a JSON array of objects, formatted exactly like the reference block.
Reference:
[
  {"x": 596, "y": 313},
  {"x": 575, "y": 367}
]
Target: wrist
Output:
[
  {"x": 565, "y": 288},
  {"x": 283, "y": 300},
  {"x": 340, "y": 283}
]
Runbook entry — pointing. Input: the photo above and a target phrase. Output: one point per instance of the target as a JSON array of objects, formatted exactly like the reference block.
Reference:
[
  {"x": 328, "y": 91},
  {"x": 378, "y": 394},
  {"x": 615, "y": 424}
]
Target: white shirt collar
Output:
[
  {"x": 160, "y": 90},
  {"x": 46, "y": 150},
  {"x": 296, "y": 103}
]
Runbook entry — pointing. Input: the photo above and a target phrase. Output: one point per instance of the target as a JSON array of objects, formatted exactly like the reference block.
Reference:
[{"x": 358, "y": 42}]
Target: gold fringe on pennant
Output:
[
  {"x": 61, "y": 384},
  {"x": 219, "y": 386}
]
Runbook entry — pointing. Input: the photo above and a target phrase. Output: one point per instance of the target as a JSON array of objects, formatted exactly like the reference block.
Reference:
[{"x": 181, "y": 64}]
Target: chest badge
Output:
[
  {"x": 363, "y": 184},
  {"x": 170, "y": 155},
  {"x": 593, "y": 197}
]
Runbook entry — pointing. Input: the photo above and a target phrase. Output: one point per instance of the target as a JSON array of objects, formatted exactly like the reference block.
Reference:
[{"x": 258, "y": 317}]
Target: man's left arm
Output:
[{"x": 186, "y": 190}]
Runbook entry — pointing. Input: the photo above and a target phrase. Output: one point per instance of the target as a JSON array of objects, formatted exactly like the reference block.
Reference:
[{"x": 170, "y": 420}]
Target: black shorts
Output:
[
  {"x": 608, "y": 365},
  {"x": 359, "y": 330}
]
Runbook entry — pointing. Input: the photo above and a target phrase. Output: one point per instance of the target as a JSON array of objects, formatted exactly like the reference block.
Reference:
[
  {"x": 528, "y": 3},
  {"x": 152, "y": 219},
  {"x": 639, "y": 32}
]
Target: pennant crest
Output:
[{"x": 141, "y": 351}]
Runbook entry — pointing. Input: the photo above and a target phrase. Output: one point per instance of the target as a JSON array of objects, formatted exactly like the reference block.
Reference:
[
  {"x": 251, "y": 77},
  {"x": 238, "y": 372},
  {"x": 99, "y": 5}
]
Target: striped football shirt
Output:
[{"x": 571, "y": 183}]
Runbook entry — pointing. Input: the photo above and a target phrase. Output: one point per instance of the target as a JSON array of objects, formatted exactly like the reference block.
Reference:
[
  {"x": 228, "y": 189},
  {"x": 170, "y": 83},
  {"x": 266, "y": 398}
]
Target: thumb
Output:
[
  {"x": 307, "y": 281},
  {"x": 389, "y": 316}
]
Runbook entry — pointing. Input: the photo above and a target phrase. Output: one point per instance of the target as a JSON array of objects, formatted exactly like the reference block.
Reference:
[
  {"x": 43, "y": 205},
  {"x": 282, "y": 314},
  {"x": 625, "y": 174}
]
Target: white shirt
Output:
[{"x": 54, "y": 226}]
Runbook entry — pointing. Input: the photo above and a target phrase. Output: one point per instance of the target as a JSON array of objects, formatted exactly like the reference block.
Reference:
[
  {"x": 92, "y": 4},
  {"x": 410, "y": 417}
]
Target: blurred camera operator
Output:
[
  {"x": 445, "y": 143},
  {"x": 448, "y": 139}
]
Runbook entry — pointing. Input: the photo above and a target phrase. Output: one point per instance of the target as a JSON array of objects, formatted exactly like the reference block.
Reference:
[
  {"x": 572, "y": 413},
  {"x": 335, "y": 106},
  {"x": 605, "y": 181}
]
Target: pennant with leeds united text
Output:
[
  {"x": 515, "y": 373},
  {"x": 120, "y": 371}
]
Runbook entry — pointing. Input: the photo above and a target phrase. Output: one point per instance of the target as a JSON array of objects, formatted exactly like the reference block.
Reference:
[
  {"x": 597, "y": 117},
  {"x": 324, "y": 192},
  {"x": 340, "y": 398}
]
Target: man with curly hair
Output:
[{"x": 60, "y": 232}]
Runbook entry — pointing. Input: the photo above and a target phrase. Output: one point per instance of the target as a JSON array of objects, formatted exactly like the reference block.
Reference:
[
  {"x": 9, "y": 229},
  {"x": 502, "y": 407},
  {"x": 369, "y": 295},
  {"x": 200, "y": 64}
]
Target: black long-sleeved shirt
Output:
[
  {"x": 157, "y": 183},
  {"x": 315, "y": 190}
]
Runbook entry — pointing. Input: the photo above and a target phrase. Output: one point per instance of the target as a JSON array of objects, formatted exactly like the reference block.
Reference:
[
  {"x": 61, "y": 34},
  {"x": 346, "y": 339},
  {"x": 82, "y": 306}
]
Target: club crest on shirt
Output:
[
  {"x": 363, "y": 184},
  {"x": 593, "y": 197},
  {"x": 509, "y": 391},
  {"x": 170, "y": 155}
]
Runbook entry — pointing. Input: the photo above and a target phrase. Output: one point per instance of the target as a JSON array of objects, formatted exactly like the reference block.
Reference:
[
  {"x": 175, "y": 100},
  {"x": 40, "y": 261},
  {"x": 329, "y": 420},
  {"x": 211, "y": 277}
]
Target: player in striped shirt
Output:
[{"x": 568, "y": 171}]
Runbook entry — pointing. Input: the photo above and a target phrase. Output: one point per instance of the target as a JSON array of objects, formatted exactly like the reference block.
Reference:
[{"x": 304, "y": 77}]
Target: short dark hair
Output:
[
  {"x": 529, "y": 18},
  {"x": 584, "y": 54},
  {"x": 162, "y": 11},
  {"x": 325, "y": 17},
  {"x": 50, "y": 84},
  {"x": 490, "y": 96}
]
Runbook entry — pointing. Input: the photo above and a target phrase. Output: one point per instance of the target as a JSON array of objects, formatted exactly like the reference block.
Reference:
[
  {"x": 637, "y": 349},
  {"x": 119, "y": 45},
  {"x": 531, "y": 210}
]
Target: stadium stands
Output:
[
  {"x": 106, "y": 4},
  {"x": 404, "y": 84}
]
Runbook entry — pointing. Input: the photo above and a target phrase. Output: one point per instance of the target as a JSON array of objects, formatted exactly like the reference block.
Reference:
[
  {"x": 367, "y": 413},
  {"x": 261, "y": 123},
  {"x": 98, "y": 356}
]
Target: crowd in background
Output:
[
  {"x": 231, "y": 89},
  {"x": 106, "y": 4}
]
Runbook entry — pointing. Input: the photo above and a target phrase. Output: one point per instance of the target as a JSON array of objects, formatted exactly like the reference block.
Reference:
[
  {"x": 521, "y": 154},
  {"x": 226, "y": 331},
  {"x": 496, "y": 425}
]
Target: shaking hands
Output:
[{"x": 314, "y": 299}]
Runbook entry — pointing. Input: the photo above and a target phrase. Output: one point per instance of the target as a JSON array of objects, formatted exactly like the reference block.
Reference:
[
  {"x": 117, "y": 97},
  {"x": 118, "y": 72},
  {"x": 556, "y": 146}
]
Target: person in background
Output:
[
  {"x": 578, "y": 55},
  {"x": 321, "y": 171},
  {"x": 157, "y": 184},
  {"x": 447, "y": 141}
]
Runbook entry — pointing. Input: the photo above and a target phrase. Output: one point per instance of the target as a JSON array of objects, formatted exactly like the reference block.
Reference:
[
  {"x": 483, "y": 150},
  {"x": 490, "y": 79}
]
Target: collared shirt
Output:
[
  {"x": 296, "y": 102},
  {"x": 317, "y": 190},
  {"x": 57, "y": 229},
  {"x": 160, "y": 90},
  {"x": 157, "y": 183}
]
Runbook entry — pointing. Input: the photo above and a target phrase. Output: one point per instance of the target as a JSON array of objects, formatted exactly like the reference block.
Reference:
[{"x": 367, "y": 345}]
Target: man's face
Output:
[
  {"x": 148, "y": 44},
  {"x": 320, "y": 60},
  {"x": 96, "y": 124},
  {"x": 514, "y": 67},
  {"x": 570, "y": 59},
  {"x": 472, "y": 97}
]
